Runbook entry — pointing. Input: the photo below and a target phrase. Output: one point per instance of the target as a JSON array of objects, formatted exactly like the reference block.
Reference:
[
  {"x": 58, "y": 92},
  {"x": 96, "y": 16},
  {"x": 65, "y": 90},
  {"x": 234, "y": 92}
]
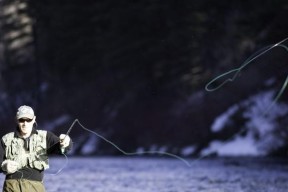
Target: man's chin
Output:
[{"x": 24, "y": 130}]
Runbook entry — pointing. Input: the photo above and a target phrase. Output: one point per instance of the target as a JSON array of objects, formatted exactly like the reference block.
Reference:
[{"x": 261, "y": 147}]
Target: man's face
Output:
[{"x": 25, "y": 126}]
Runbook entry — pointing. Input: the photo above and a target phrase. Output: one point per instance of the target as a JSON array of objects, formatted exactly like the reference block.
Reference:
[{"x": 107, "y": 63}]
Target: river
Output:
[{"x": 110, "y": 174}]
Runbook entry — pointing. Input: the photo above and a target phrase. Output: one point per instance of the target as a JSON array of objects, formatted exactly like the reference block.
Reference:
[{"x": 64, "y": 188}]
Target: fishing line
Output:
[
  {"x": 255, "y": 56},
  {"x": 55, "y": 173},
  {"x": 236, "y": 71},
  {"x": 62, "y": 167},
  {"x": 121, "y": 150}
]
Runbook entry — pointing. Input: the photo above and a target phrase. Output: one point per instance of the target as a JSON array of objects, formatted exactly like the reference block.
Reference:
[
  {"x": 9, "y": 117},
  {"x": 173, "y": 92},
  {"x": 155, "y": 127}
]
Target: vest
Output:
[{"x": 36, "y": 155}]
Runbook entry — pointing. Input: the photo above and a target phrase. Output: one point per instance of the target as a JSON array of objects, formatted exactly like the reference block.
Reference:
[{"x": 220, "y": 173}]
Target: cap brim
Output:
[{"x": 29, "y": 116}]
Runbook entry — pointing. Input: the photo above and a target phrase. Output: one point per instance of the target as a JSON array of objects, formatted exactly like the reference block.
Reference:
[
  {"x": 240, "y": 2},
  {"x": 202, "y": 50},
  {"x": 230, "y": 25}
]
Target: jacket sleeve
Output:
[{"x": 53, "y": 144}]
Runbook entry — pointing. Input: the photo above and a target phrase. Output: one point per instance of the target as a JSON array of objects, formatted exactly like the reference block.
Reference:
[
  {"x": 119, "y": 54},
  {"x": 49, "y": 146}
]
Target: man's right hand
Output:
[{"x": 9, "y": 166}]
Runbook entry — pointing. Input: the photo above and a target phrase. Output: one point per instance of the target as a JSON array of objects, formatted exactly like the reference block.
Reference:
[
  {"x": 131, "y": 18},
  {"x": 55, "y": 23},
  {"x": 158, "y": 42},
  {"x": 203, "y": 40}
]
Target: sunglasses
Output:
[{"x": 23, "y": 120}]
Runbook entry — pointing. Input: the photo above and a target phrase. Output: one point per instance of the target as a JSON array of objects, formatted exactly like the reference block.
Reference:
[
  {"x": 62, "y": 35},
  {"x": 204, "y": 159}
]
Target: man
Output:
[{"x": 24, "y": 153}]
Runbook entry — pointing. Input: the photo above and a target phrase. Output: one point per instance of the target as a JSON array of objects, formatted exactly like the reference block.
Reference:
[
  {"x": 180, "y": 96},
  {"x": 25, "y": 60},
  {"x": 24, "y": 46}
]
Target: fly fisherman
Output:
[{"x": 24, "y": 153}]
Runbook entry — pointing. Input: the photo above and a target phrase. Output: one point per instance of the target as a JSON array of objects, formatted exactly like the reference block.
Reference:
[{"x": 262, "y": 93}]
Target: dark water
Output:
[{"x": 167, "y": 175}]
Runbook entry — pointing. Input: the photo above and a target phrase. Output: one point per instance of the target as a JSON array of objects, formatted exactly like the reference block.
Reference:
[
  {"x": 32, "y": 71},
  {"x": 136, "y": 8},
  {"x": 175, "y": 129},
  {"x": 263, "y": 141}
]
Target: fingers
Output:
[
  {"x": 64, "y": 140},
  {"x": 10, "y": 166},
  {"x": 62, "y": 136}
]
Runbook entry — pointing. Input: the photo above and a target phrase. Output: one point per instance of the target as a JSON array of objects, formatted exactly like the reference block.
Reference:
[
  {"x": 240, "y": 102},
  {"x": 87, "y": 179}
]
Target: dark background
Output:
[{"x": 136, "y": 71}]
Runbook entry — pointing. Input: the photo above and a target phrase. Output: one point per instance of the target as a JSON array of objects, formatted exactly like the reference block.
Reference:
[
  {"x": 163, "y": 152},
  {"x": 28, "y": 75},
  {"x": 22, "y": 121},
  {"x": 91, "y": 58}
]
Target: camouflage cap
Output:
[{"x": 25, "y": 112}]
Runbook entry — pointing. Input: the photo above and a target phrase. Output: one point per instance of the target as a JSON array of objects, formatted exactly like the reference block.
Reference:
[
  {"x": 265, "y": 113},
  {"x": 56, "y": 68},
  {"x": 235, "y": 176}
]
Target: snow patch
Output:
[
  {"x": 189, "y": 150},
  {"x": 90, "y": 146},
  {"x": 240, "y": 146},
  {"x": 223, "y": 119},
  {"x": 140, "y": 150},
  {"x": 261, "y": 113}
]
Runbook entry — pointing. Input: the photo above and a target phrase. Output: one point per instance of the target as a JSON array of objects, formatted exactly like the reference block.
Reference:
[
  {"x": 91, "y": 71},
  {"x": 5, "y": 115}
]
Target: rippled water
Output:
[{"x": 167, "y": 175}]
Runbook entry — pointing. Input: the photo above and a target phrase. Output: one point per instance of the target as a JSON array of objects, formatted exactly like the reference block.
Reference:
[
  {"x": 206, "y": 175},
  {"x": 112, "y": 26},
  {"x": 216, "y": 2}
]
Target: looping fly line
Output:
[
  {"x": 236, "y": 71},
  {"x": 121, "y": 150}
]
